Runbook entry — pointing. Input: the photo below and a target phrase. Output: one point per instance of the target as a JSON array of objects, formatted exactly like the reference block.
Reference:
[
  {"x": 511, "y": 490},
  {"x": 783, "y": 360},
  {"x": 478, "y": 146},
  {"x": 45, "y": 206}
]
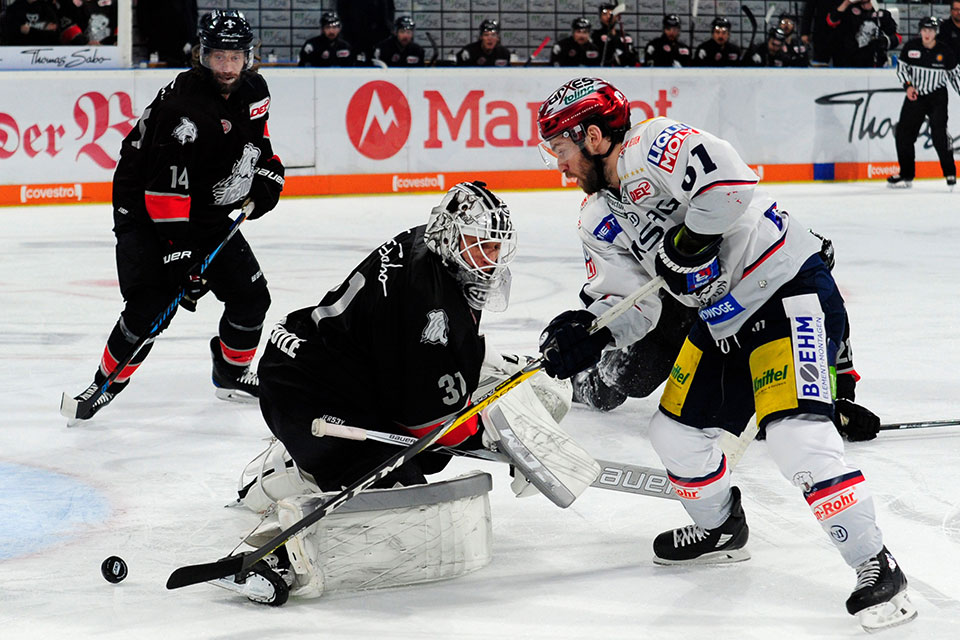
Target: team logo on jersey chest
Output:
[
  {"x": 226, "y": 125},
  {"x": 185, "y": 132},
  {"x": 437, "y": 328},
  {"x": 663, "y": 152}
]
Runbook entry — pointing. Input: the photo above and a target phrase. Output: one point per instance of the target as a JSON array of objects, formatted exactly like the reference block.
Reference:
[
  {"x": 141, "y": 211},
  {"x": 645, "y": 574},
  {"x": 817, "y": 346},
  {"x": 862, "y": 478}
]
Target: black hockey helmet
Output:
[
  {"x": 329, "y": 19},
  {"x": 489, "y": 25},
  {"x": 929, "y": 22},
  {"x": 671, "y": 20},
  {"x": 404, "y": 23},
  {"x": 720, "y": 23},
  {"x": 606, "y": 6},
  {"x": 225, "y": 30},
  {"x": 777, "y": 34},
  {"x": 580, "y": 24}
]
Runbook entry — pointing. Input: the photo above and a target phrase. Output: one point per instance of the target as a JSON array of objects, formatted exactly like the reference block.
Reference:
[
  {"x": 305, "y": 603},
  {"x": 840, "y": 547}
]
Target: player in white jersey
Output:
[{"x": 684, "y": 205}]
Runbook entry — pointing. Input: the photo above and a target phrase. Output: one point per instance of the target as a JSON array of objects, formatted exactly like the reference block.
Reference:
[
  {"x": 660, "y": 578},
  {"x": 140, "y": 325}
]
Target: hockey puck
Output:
[{"x": 114, "y": 569}]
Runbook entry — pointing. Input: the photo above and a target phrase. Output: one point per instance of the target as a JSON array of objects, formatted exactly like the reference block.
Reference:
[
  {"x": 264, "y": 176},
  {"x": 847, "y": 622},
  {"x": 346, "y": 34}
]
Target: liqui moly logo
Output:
[
  {"x": 835, "y": 504},
  {"x": 666, "y": 147}
]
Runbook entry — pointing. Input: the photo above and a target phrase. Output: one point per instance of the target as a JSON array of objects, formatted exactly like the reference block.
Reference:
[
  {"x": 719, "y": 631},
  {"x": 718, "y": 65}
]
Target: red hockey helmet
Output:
[{"x": 582, "y": 102}]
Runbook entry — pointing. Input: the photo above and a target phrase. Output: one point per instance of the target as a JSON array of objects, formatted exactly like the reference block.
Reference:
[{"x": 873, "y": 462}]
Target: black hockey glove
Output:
[
  {"x": 182, "y": 266},
  {"x": 688, "y": 261},
  {"x": 855, "y": 422},
  {"x": 194, "y": 288},
  {"x": 266, "y": 187},
  {"x": 567, "y": 346}
]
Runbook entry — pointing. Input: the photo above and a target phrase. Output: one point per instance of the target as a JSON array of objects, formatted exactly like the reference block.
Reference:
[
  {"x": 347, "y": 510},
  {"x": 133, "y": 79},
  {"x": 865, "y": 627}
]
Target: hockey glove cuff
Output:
[
  {"x": 194, "y": 288},
  {"x": 267, "y": 184},
  {"x": 855, "y": 422},
  {"x": 688, "y": 261},
  {"x": 567, "y": 345}
]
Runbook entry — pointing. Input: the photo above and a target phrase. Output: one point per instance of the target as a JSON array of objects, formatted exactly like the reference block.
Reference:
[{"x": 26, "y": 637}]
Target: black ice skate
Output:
[
  {"x": 694, "y": 545},
  {"x": 899, "y": 182},
  {"x": 590, "y": 390},
  {"x": 78, "y": 409},
  {"x": 951, "y": 182},
  {"x": 237, "y": 384},
  {"x": 880, "y": 598}
]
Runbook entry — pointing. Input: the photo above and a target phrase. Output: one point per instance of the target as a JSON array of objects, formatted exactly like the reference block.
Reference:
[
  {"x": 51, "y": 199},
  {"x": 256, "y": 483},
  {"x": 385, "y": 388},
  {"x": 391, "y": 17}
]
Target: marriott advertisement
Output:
[{"x": 383, "y": 131}]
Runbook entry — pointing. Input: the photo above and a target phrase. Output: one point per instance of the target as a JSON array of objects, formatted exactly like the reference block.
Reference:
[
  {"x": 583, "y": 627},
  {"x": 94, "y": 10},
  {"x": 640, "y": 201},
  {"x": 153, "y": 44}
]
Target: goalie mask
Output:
[{"x": 472, "y": 233}]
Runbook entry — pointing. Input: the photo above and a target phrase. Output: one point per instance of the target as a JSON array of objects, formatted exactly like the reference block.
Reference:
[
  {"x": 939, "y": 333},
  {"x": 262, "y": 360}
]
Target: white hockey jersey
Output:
[{"x": 671, "y": 173}]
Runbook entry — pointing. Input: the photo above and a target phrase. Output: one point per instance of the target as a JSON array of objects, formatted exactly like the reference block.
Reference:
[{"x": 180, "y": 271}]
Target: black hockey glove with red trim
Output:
[
  {"x": 688, "y": 261},
  {"x": 567, "y": 345},
  {"x": 182, "y": 265},
  {"x": 267, "y": 185}
]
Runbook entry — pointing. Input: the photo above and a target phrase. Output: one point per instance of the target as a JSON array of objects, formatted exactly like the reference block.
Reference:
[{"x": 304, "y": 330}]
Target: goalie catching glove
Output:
[
  {"x": 267, "y": 184},
  {"x": 688, "y": 261},
  {"x": 567, "y": 345}
]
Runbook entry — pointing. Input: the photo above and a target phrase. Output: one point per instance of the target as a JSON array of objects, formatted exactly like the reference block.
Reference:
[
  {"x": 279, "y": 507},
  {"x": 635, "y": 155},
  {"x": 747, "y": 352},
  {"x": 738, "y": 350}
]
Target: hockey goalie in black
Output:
[
  {"x": 396, "y": 346},
  {"x": 200, "y": 151}
]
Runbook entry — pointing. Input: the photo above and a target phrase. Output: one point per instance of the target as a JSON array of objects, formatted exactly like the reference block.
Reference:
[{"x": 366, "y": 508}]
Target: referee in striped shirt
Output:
[{"x": 924, "y": 66}]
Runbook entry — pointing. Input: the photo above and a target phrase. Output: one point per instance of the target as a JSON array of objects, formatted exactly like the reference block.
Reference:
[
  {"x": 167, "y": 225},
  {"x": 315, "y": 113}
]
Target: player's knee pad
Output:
[
  {"x": 391, "y": 537},
  {"x": 250, "y": 310},
  {"x": 520, "y": 427},
  {"x": 807, "y": 448},
  {"x": 271, "y": 477},
  {"x": 141, "y": 309}
]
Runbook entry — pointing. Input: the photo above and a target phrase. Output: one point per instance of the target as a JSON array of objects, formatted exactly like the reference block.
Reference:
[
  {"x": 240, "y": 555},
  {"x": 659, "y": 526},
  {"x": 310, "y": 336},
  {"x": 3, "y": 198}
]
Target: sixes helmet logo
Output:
[{"x": 378, "y": 120}]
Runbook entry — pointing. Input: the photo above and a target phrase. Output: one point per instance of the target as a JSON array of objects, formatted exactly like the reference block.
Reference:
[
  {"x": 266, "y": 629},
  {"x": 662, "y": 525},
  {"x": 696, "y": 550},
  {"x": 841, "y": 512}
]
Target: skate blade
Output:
[
  {"x": 716, "y": 557},
  {"x": 899, "y": 610},
  {"x": 900, "y": 185},
  {"x": 256, "y": 588},
  {"x": 235, "y": 395}
]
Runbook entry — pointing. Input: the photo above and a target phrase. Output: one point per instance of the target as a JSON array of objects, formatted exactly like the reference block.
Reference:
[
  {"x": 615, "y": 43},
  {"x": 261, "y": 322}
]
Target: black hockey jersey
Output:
[
  {"x": 568, "y": 53},
  {"x": 473, "y": 55},
  {"x": 392, "y": 54},
  {"x": 664, "y": 52},
  {"x": 711, "y": 54},
  {"x": 759, "y": 56},
  {"x": 616, "y": 48},
  {"x": 396, "y": 341},
  {"x": 324, "y": 52},
  {"x": 190, "y": 159},
  {"x": 863, "y": 36},
  {"x": 950, "y": 34}
]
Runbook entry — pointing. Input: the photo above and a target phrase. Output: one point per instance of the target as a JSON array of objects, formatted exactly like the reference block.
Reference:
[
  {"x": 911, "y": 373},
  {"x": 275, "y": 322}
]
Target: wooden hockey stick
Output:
[
  {"x": 240, "y": 565},
  {"x": 75, "y": 409},
  {"x": 615, "y": 476}
]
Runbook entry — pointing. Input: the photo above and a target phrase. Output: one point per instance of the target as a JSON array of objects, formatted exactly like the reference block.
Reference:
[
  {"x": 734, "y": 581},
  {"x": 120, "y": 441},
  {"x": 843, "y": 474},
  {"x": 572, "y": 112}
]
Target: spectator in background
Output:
[
  {"x": 31, "y": 22},
  {"x": 487, "y": 51},
  {"x": 71, "y": 19},
  {"x": 864, "y": 34},
  {"x": 365, "y": 24},
  {"x": 328, "y": 49},
  {"x": 817, "y": 33},
  {"x": 667, "y": 50},
  {"x": 100, "y": 19},
  {"x": 772, "y": 53},
  {"x": 718, "y": 51},
  {"x": 577, "y": 49},
  {"x": 399, "y": 50},
  {"x": 169, "y": 28},
  {"x": 616, "y": 48},
  {"x": 796, "y": 44},
  {"x": 950, "y": 29}
]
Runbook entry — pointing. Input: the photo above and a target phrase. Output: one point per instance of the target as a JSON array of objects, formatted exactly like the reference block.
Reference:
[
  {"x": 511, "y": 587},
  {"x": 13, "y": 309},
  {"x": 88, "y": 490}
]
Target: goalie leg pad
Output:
[
  {"x": 391, "y": 537},
  {"x": 270, "y": 477},
  {"x": 520, "y": 427}
]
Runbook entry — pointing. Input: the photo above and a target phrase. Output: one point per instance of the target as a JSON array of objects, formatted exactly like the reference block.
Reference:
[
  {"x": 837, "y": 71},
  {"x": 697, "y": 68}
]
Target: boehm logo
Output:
[{"x": 378, "y": 120}]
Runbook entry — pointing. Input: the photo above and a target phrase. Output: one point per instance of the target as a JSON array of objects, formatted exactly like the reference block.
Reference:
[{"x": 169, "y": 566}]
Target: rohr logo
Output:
[{"x": 378, "y": 120}]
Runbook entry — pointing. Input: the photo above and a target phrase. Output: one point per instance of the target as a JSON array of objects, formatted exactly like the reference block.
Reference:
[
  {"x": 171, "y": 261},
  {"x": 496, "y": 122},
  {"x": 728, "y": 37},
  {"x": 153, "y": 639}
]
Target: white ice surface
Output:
[{"x": 148, "y": 478}]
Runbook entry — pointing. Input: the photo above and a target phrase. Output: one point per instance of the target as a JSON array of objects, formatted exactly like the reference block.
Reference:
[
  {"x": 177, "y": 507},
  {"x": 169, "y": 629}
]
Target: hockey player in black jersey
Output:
[
  {"x": 668, "y": 50},
  {"x": 863, "y": 34},
  {"x": 771, "y": 53},
  {"x": 924, "y": 67},
  {"x": 328, "y": 49},
  {"x": 718, "y": 51},
  {"x": 577, "y": 49},
  {"x": 396, "y": 346},
  {"x": 399, "y": 50},
  {"x": 200, "y": 151},
  {"x": 487, "y": 51}
]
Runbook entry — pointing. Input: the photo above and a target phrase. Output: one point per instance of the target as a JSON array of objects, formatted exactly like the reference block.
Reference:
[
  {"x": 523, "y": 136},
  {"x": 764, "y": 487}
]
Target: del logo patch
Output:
[{"x": 259, "y": 109}]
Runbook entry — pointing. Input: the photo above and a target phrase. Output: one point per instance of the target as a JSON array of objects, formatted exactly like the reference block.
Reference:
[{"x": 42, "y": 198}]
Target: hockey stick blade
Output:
[
  {"x": 197, "y": 573},
  {"x": 897, "y": 426}
]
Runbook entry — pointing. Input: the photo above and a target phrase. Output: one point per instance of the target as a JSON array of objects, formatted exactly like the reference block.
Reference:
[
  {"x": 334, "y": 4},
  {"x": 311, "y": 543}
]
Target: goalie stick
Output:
[
  {"x": 75, "y": 409},
  {"x": 240, "y": 565}
]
